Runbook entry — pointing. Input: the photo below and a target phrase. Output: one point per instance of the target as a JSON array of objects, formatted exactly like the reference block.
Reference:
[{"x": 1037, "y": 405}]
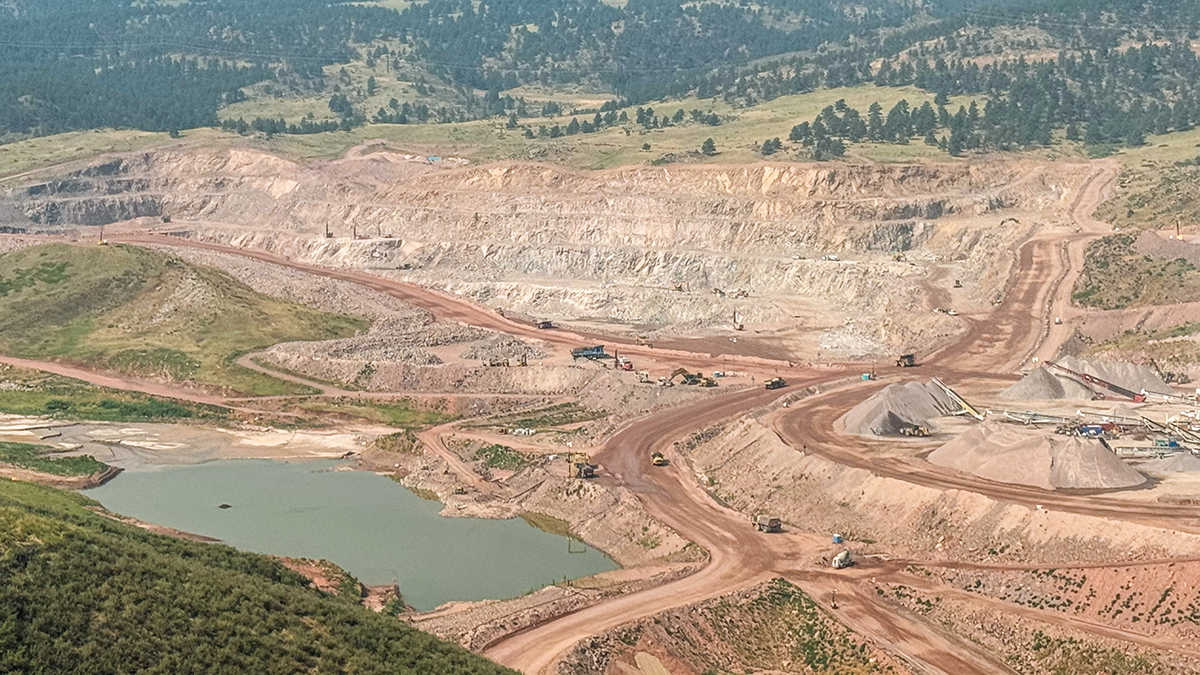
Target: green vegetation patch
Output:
[
  {"x": 1153, "y": 193},
  {"x": 402, "y": 441},
  {"x": 402, "y": 413},
  {"x": 1069, "y": 656},
  {"x": 149, "y": 314},
  {"x": 78, "y": 588},
  {"x": 1116, "y": 276},
  {"x": 498, "y": 456},
  {"x": 1168, "y": 348},
  {"x": 549, "y": 524},
  {"x": 36, "y": 458},
  {"x": 559, "y": 415},
  {"x": 33, "y": 393}
]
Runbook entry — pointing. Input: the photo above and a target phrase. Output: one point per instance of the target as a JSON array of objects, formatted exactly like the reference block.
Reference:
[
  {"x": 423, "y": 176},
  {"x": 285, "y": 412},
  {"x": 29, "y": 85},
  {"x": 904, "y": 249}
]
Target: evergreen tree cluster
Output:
[
  {"x": 167, "y": 65},
  {"x": 82, "y": 593}
]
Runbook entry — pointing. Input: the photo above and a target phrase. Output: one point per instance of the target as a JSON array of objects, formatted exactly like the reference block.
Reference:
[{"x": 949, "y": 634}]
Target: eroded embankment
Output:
[
  {"x": 640, "y": 245},
  {"x": 753, "y": 470}
]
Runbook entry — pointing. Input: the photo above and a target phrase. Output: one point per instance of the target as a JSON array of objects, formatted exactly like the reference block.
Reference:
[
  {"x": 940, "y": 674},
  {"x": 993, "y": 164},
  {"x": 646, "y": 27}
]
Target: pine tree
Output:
[
  {"x": 875, "y": 122},
  {"x": 709, "y": 147}
]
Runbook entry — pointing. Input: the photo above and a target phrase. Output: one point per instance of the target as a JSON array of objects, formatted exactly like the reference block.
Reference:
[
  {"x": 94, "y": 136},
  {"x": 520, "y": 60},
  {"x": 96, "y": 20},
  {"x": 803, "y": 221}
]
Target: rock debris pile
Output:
[
  {"x": 1045, "y": 384},
  {"x": 1011, "y": 454},
  {"x": 1180, "y": 462},
  {"x": 898, "y": 405}
]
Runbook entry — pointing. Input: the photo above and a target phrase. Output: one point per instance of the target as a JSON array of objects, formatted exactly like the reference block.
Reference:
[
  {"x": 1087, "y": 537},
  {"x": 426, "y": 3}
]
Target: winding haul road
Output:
[{"x": 999, "y": 342}]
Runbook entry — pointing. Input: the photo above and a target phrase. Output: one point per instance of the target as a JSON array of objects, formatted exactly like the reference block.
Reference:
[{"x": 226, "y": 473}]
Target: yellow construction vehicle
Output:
[
  {"x": 688, "y": 378},
  {"x": 775, "y": 383},
  {"x": 582, "y": 464},
  {"x": 657, "y": 459},
  {"x": 913, "y": 430}
]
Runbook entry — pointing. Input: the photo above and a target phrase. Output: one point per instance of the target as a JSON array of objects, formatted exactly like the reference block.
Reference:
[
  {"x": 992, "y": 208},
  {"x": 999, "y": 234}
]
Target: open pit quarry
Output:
[
  {"x": 1015, "y": 518},
  {"x": 818, "y": 259}
]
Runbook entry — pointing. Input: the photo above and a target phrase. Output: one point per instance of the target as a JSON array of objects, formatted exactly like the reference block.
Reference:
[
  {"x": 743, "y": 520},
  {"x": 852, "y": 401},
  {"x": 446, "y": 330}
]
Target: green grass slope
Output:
[
  {"x": 81, "y": 593},
  {"x": 143, "y": 312},
  {"x": 1116, "y": 276}
]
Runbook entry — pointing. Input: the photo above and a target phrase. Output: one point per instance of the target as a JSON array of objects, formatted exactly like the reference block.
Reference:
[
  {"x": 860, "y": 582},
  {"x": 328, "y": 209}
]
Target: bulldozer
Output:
[
  {"x": 906, "y": 361},
  {"x": 775, "y": 383},
  {"x": 707, "y": 382},
  {"x": 657, "y": 459}
]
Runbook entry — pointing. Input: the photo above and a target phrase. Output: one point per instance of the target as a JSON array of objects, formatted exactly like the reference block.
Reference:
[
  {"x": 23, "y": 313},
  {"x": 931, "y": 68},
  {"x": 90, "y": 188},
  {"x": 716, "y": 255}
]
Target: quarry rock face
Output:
[{"x": 641, "y": 245}]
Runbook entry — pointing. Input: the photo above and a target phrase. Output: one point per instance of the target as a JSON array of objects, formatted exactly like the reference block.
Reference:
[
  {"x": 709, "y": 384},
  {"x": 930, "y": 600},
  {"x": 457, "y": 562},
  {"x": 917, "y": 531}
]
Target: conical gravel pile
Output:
[
  {"x": 1043, "y": 385},
  {"x": 898, "y": 405},
  {"x": 1011, "y": 454},
  {"x": 1129, "y": 375},
  {"x": 1180, "y": 462}
]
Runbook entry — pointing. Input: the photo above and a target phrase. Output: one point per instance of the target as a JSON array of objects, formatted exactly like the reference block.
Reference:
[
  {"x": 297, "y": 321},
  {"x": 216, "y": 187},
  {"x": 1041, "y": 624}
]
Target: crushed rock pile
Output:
[
  {"x": 1128, "y": 375},
  {"x": 1180, "y": 462},
  {"x": 1045, "y": 384},
  {"x": 896, "y": 405},
  {"x": 1011, "y": 454},
  {"x": 503, "y": 347}
]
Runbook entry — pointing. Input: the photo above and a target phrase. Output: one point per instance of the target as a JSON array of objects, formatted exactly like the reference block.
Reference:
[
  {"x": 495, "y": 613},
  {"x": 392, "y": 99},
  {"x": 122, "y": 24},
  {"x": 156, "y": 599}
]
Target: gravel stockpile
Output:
[
  {"x": 896, "y": 405},
  {"x": 1046, "y": 384},
  {"x": 1011, "y": 454},
  {"x": 1043, "y": 385},
  {"x": 1128, "y": 375},
  {"x": 1180, "y": 462}
]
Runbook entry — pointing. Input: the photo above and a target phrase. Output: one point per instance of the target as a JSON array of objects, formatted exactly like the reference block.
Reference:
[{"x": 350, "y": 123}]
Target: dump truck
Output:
[
  {"x": 545, "y": 325},
  {"x": 842, "y": 560},
  {"x": 906, "y": 361},
  {"x": 768, "y": 524},
  {"x": 707, "y": 382},
  {"x": 913, "y": 430},
  {"x": 582, "y": 464},
  {"x": 775, "y": 383},
  {"x": 596, "y": 352},
  {"x": 657, "y": 459}
]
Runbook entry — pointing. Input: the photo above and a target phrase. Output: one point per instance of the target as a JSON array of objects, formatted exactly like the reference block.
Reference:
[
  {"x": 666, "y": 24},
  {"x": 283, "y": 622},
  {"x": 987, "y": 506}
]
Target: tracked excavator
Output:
[{"x": 687, "y": 377}]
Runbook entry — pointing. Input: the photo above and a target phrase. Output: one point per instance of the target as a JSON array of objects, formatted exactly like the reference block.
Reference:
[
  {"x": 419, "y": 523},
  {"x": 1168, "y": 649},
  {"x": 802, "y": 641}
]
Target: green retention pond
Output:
[{"x": 366, "y": 523}]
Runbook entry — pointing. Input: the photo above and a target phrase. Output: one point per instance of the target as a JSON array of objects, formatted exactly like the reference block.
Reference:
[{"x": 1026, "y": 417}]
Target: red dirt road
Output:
[
  {"x": 114, "y": 381},
  {"x": 739, "y": 556}
]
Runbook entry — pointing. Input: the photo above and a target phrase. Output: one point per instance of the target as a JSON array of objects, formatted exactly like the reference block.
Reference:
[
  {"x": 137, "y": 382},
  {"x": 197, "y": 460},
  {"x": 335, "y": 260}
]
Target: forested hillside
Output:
[
  {"x": 79, "y": 592},
  {"x": 1109, "y": 71}
]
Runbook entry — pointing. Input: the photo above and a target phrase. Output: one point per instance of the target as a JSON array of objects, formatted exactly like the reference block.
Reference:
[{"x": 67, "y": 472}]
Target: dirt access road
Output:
[
  {"x": 740, "y": 557},
  {"x": 446, "y": 307},
  {"x": 998, "y": 343}
]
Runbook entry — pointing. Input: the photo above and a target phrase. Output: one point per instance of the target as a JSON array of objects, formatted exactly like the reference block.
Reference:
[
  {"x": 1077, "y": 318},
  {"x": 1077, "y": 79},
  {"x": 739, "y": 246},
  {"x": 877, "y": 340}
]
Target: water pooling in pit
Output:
[{"x": 372, "y": 527}]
